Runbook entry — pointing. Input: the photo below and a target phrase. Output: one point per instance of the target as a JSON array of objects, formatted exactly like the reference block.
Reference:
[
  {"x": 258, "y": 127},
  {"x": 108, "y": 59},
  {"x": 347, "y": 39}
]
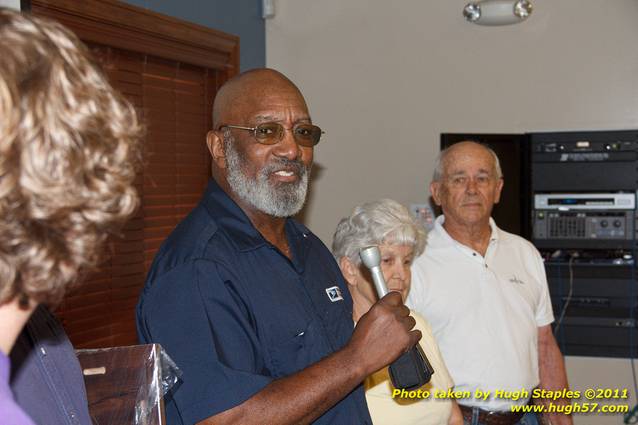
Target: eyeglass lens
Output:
[{"x": 272, "y": 132}]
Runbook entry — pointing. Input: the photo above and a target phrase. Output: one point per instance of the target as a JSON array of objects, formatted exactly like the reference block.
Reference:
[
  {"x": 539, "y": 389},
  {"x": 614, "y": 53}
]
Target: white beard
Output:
[{"x": 277, "y": 200}]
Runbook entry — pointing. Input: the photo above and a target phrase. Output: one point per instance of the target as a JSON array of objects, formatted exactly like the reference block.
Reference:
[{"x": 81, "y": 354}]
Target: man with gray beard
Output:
[
  {"x": 283, "y": 201},
  {"x": 248, "y": 302}
]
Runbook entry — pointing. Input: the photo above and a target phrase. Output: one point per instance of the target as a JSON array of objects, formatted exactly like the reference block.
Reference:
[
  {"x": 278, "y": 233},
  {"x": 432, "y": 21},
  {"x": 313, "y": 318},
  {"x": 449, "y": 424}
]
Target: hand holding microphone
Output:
[{"x": 412, "y": 370}]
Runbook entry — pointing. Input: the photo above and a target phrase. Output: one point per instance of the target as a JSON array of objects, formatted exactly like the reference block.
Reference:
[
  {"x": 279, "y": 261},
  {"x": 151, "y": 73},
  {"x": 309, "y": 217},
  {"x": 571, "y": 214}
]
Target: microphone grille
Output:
[{"x": 370, "y": 256}]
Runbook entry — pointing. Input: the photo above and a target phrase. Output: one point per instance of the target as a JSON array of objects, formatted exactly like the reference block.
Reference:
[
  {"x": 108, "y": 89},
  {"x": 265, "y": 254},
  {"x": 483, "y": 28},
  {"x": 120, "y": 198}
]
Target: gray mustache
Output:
[{"x": 289, "y": 164}]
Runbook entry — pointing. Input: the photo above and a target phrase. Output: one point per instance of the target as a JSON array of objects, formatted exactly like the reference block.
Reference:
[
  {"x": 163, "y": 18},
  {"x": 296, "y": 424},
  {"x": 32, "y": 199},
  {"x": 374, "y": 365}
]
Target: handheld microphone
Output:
[{"x": 412, "y": 370}]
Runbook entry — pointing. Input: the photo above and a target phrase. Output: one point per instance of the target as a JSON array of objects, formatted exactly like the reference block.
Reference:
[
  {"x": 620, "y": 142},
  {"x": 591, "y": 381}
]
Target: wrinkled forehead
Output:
[
  {"x": 470, "y": 159},
  {"x": 275, "y": 106}
]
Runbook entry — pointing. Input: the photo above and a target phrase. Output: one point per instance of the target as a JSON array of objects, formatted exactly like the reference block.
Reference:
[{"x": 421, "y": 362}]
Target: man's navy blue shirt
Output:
[{"x": 235, "y": 313}]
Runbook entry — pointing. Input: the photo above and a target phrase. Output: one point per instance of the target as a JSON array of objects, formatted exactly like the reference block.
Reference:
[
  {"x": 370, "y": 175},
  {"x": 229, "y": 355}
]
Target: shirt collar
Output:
[
  {"x": 5, "y": 371},
  {"x": 446, "y": 240},
  {"x": 230, "y": 217}
]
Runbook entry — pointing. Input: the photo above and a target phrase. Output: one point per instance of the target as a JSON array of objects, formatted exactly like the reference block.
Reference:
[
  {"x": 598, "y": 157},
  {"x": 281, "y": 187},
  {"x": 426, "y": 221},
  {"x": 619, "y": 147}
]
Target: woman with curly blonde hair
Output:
[{"x": 68, "y": 157}]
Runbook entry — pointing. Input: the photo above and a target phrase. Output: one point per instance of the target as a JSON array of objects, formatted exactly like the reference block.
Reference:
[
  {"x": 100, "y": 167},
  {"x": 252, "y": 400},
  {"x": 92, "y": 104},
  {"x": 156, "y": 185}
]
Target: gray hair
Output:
[
  {"x": 440, "y": 160},
  {"x": 374, "y": 223}
]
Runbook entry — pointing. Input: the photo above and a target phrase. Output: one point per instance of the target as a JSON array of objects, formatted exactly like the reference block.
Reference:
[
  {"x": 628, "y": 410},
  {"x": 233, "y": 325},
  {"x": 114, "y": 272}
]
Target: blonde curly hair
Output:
[{"x": 69, "y": 152}]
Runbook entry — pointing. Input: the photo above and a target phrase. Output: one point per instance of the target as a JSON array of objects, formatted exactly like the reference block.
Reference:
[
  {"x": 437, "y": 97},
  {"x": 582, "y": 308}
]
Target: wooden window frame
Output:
[
  {"x": 108, "y": 26},
  {"x": 128, "y": 27}
]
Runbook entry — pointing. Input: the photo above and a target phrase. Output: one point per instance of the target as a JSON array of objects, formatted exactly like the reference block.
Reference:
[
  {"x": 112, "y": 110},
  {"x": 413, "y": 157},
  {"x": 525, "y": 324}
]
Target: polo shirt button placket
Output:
[{"x": 474, "y": 254}]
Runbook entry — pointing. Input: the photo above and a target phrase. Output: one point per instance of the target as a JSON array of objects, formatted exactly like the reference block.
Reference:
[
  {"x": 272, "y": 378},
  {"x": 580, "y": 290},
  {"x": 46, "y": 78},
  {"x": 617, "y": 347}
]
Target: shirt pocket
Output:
[{"x": 296, "y": 352}]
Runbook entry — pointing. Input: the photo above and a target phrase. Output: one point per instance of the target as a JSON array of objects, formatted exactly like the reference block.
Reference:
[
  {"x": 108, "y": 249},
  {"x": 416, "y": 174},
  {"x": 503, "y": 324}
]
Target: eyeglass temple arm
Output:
[{"x": 237, "y": 127}]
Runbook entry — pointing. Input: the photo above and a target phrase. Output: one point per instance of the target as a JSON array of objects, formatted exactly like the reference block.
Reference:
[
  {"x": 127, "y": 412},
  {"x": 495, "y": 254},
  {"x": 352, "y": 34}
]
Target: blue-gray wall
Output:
[{"x": 237, "y": 17}]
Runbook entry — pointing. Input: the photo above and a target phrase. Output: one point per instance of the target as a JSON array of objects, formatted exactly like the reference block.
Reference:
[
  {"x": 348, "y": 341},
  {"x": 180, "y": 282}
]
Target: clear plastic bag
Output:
[{"x": 126, "y": 385}]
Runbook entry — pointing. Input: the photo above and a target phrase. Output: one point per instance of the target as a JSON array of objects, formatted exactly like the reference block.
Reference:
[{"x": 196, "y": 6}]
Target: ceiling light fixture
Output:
[{"x": 497, "y": 12}]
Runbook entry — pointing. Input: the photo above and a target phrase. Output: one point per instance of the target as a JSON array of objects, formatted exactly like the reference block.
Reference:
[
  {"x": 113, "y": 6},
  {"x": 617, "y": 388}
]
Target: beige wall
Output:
[
  {"x": 385, "y": 78},
  {"x": 14, "y": 4}
]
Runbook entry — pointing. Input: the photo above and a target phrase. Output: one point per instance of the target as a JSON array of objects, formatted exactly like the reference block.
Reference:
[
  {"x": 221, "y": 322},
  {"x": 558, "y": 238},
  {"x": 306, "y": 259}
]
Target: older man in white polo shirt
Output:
[{"x": 484, "y": 292}]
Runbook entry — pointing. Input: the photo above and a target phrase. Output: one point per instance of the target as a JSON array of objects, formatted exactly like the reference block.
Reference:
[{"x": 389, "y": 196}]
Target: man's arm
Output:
[
  {"x": 552, "y": 371},
  {"x": 380, "y": 337}
]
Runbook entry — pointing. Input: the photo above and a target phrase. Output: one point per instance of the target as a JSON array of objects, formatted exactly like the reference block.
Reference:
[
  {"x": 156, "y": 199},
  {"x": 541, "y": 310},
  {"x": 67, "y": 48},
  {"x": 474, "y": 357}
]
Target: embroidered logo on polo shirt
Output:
[
  {"x": 516, "y": 280},
  {"x": 334, "y": 293}
]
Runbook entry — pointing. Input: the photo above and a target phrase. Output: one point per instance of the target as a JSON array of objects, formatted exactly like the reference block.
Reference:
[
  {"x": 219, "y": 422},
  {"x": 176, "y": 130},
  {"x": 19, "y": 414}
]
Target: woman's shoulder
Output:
[{"x": 421, "y": 323}]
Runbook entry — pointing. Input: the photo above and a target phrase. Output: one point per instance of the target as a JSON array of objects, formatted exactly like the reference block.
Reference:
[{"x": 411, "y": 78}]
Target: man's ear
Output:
[
  {"x": 499, "y": 188},
  {"x": 349, "y": 271},
  {"x": 215, "y": 143},
  {"x": 435, "y": 190}
]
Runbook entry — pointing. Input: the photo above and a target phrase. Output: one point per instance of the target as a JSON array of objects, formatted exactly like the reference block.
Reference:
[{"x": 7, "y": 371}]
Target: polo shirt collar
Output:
[
  {"x": 229, "y": 216},
  {"x": 445, "y": 240}
]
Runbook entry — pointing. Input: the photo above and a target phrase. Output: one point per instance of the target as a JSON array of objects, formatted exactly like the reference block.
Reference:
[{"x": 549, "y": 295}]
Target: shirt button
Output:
[{"x": 43, "y": 351}]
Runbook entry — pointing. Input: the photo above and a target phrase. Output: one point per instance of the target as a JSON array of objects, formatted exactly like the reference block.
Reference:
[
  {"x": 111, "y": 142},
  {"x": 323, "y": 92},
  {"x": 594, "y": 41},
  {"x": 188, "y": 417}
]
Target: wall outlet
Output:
[{"x": 424, "y": 214}]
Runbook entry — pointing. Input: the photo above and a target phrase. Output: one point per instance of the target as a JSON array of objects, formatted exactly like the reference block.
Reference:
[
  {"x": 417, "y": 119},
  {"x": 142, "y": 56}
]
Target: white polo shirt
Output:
[{"x": 484, "y": 311}]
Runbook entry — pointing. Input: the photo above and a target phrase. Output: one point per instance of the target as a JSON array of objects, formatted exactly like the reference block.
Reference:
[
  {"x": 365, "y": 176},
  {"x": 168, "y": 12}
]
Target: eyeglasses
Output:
[{"x": 270, "y": 133}]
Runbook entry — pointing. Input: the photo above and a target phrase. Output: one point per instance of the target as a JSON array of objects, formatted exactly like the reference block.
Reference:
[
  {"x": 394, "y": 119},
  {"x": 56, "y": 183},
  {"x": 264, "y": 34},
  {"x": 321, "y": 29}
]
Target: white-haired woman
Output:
[{"x": 388, "y": 225}]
